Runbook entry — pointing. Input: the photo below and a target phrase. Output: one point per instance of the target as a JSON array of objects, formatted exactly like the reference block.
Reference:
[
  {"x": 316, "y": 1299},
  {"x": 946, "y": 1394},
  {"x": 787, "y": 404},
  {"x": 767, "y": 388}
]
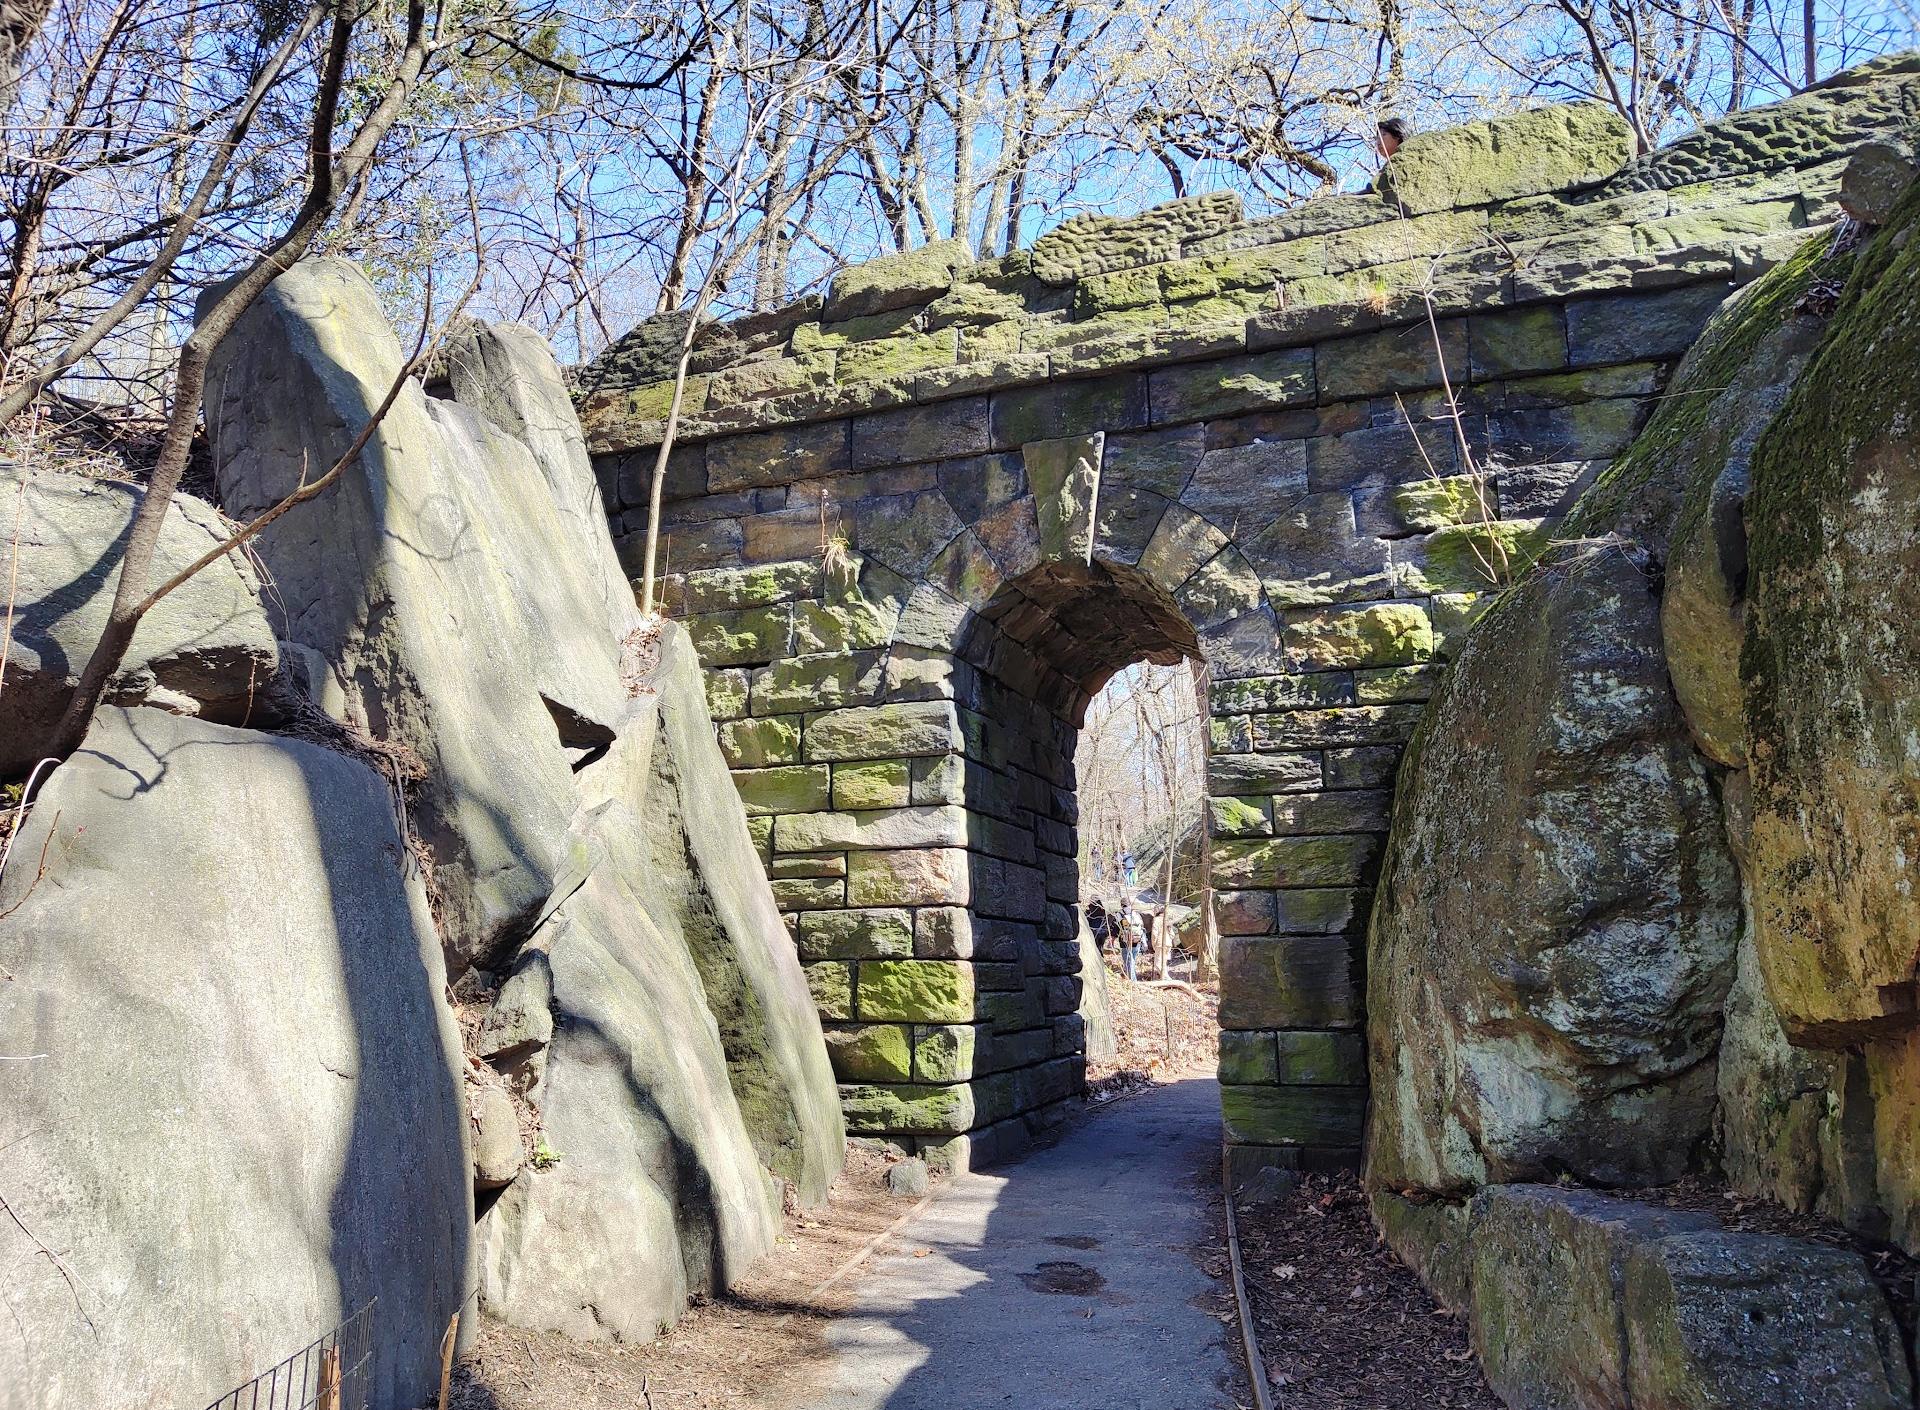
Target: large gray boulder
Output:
[
  {"x": 1703, "y": 606},
  {"x": 1555, "y": 925},
  {"x": 239, "y": 1118},
  {"x": 648, "y": 1015},
  {"x": 1831, "y": 713},
  {"x": 678, "y": 1059},
  {"x": 437, "y": 581},
  {"x": 205, "y": 649},
  {"x": 1555, "y": 935},
  {"x": 1578, "y": 1301},
  {"x": 506, "y": 372},
  {"x": 709, "y": 890}
]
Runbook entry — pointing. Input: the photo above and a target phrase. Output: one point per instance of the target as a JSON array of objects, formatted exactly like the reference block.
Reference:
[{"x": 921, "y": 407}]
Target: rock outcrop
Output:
[
  {"x": 425, "y": 581},
  {"x": 1557, "y": 913},
  {"x": 1828, "y": 671},
  {"x": 235, "y": 1118},
  {"x": 1755, "y": 546},
  {"x": 708, "y": 890},
  {"x": 1651, "y": 1307},
  {"x": 635, "y": 990},
  {"x": 205, "y": 649}
]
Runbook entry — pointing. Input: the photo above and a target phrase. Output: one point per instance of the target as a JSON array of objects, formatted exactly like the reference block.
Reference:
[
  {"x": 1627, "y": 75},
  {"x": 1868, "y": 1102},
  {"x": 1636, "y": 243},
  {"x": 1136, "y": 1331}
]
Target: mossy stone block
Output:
[
  {"x": 933, "y": 876},
  {"x": 856, "y": 935},
  {"x": 652, "y": 401},
  {"x": 826, "y": 680},
  {"x": 768, "y": 377},
  {"x": 726, "y": 693},
  {"x": 1294, "y": 1116},
  {"x": 777, "y": 456},
  {"x": 1393, "y": 360},
  {"x": 1064, "y": 475},
  {"x": 1074, "y": 408},
  {"x": 1343, "y": 860},
  {"x": 897, "y": 357},
  {"x": 821, "y": 627},
  {"x": 1123, "y": 289},
  {"x": 1517, "y": 340},
  {"x": 884, "y": 783},
  {"x": 1392, "y": 684},
  {"x": 1440, "y": 501},
  {"x": 911, "y": 730},
  {"x": 896, "y": 281},
  {"x": 761, "y": 585},
  {"x": 923, "y": 991},
  {"x": 943, "y": 1053},
  {"x": 808, "y": 865},
  {"x": 1453, "y": 613},
  {"x": 873, "y": 1052},
  {"x": 973, "y": 304},
  {"x": 1228, "y": 386},
  {"x": 753, "y": 744},
  {"x": 1247, "y": 774},
  {"x": 1474, "y": 558},
  {"x": 1239, "y": 817},
  {"x": 1248, "y": 1060},
  {"x": 1321, "y": 1059},
  {"x": 1295, "y": 981},
  {"x": 800, "y": 893},
  {"x": 734, "y": 638},
  {"x": 1540, "y": 150},
  {"x": 787, "y": 788},
  {"x": 831, "y": 984},
  {"x": 902, "y": 1109},
  {"x": 1379, "y": 634}
]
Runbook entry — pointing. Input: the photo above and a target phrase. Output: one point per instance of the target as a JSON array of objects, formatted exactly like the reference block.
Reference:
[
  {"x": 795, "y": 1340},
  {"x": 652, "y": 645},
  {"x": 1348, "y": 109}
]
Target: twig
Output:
[
  {"x": 13, "y": 578},
  {"x": 20, "y": 812},
  {"x": 55, "y": 1259},
  {"x": 39, "y": 873}
]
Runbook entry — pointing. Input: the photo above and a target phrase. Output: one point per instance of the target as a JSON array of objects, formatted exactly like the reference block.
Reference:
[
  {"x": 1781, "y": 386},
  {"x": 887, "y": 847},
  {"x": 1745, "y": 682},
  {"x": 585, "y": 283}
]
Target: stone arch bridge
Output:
[{"x": 914, "y": 525}]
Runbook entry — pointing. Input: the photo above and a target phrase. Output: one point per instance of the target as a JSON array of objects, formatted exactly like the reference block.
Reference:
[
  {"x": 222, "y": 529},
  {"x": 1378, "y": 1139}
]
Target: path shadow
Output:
[{"x": 1068, "y": 1279}]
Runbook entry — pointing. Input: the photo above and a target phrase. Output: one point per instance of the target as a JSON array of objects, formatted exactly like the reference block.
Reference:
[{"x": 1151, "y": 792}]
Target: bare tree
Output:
[{"x": 332, "y": 169}]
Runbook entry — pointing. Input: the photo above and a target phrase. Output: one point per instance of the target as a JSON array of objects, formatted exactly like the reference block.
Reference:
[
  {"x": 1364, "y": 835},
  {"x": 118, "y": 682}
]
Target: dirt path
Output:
[{"x": 1077, "y": 1277}]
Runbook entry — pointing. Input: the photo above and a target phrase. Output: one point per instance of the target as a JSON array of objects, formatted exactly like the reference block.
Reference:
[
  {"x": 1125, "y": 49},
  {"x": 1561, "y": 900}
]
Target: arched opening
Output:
[{"x": 1034, "y": 656}]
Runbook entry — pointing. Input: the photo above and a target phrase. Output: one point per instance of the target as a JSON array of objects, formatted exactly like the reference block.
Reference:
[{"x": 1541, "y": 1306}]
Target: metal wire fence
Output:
[{"x": 334, "y": 1372}]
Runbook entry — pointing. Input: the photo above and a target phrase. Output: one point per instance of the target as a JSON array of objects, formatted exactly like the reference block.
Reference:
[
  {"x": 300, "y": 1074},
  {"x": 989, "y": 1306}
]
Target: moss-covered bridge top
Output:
[{"x": 1536, "y": 207}]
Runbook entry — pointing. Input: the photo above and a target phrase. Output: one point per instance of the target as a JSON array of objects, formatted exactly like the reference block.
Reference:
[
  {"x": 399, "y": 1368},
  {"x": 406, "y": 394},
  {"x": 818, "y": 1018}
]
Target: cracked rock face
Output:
[{"x": 1555, "y": 931}]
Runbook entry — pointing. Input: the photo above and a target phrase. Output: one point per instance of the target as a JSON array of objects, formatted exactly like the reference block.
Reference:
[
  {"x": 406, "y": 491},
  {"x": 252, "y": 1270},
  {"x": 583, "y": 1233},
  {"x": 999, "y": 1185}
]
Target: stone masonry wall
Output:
[{"x": 914, "y": 526}]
